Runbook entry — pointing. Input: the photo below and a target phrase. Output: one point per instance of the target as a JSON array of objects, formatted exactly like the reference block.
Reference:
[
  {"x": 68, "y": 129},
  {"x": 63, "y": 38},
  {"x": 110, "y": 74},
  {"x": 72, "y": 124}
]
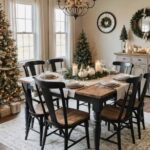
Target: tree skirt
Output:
[{"x": 12, "y": 134}]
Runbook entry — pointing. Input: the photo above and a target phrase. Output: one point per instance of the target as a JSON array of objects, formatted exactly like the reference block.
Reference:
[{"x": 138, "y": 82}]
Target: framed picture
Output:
[{"x": 106, "y": 22}]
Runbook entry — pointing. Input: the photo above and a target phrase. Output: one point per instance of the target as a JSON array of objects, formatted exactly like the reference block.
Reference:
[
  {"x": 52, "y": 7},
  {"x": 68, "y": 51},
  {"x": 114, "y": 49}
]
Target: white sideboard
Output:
[{"x": 141, "y": 63}]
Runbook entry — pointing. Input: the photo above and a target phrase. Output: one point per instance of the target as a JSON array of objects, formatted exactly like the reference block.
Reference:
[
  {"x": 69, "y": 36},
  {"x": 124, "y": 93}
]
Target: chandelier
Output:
[{"x": 76, "y": 8}]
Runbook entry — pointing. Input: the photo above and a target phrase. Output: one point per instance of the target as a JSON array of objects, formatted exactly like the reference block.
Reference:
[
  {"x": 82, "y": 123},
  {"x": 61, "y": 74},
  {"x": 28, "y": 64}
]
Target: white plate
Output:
[
  {"x": 48, "y": 76},
  {"x": 122, "y": 77},
  {"x": 108, "y": 83}
]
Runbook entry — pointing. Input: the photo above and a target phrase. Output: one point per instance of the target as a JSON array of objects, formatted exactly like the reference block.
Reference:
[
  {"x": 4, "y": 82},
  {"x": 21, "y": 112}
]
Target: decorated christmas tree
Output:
[
  {"x": 9, "y": 72},
  {"x": 82, "y": 54}
]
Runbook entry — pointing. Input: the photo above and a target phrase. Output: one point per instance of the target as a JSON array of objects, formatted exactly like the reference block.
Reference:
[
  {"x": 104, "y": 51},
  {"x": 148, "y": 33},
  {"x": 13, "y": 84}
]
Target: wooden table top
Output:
[{"x": 96, "y": 91}]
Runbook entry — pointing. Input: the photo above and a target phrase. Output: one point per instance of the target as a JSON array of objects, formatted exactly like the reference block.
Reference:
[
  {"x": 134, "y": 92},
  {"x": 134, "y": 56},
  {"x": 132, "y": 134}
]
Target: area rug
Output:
[{"x": 12, "y": 134}]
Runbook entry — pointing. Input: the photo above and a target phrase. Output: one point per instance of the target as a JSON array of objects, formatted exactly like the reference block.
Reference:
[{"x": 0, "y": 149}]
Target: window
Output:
[
  {"x": 61, "y": 33},
  {"x": 25, "y": 31}
]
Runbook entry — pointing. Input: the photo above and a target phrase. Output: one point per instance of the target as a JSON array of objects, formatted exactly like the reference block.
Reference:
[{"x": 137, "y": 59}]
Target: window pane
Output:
[
  {"x": 26, "y": 53},
  {"x": 20, "y": 11},
  {"x": 28, "y": 25},
  {"x": 31, "y": 40},
  {"x": 25, "y": 46},
  {"x": 25, "y": 40},
  {"x": 20, "y": 53},
  {"x": 19, "y": 40},
  {"x": 31, "y": 52},
  {"x": 60, "y": 16},
  {"x": 28, "y": 11},
  {"x": 60, "y": 44},
  {"x": 20, "y": 25},
  {"x": 58, "y": 51},
  {"x": 60, "y": 26}
]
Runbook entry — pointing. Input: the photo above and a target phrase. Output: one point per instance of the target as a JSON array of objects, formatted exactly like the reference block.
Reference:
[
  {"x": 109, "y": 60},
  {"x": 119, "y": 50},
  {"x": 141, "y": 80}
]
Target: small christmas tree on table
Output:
[
  {"x": 124, "y": 36},
  {"x": 82, "y": 53},
  {"x": 9, "y": 72}
]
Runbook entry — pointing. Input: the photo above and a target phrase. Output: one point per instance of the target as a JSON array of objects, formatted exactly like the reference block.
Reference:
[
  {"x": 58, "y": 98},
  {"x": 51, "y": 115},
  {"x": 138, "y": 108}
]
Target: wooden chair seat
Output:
[
  {"x": 111, "y": 113},
  {"x": 74, "y": 116}
]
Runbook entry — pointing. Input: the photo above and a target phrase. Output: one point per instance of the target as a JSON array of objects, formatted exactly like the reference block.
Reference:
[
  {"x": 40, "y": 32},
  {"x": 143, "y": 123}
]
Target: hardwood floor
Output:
[
  {"x": 3, "y": 147},
  {"x": 2, "y": 120}
]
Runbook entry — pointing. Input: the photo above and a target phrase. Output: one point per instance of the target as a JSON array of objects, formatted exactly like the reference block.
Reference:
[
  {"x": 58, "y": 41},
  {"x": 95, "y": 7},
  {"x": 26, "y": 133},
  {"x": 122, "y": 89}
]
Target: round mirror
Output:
[{"x": 140, "y": 23}]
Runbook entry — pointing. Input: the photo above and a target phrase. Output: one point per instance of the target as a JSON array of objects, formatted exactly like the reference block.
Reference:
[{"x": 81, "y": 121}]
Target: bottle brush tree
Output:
[{"x": 123, "y": 36}]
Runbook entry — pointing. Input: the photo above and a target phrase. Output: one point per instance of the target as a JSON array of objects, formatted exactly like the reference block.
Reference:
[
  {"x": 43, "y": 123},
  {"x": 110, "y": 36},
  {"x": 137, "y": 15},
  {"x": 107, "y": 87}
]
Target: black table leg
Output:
[
  {"x": 97, "y": 131},
  {"x": 26, "y": 88}
]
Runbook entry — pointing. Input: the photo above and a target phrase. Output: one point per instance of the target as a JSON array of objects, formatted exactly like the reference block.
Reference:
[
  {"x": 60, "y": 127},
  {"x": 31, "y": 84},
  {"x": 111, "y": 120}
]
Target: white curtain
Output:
[
  {"x": 42, "y": 28},
  {"x": 71, "y": 44},
  {"x": 10, "y": 8}
]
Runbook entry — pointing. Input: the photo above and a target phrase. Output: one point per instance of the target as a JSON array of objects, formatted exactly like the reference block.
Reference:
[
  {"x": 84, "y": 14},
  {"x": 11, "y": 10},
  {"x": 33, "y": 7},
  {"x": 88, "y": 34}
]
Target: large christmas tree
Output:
[
  {"x": 9, "y": 72},
  {"x": 82, "y": 54}
]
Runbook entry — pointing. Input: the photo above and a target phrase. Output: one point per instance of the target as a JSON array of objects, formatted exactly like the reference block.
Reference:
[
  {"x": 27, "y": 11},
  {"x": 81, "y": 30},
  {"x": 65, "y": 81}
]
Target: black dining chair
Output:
[
  {"x": 119, "y": 117},
  {"x": 34, "y": 67},
  {"x": 53, "y": 63},
  {"x": 123, "y": 67},
  {"x": 64, "y": 119},
  {"x": 138, "y": 108},
  {"x": 37, "y": 111}
]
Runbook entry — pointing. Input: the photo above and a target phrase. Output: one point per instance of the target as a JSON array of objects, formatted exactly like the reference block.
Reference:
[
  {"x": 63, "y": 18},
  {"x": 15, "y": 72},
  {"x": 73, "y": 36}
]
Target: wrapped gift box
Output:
[
  {"x": 4, "y": 111},
  {"x": 15, "y": 107}
]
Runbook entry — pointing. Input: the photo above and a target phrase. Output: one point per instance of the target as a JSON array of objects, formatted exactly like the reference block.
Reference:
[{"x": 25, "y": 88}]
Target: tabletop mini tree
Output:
[
  {"x": 9, "y": 72},
  {"x": 123, "y": 36},
  {"x": 82, "y": 54}
]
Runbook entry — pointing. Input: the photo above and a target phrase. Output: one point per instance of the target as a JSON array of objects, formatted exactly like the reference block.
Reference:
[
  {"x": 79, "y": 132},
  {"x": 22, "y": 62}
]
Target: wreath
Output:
[
  {"x": 135, "y": 23},
  {"x": 106, "y": 22}
]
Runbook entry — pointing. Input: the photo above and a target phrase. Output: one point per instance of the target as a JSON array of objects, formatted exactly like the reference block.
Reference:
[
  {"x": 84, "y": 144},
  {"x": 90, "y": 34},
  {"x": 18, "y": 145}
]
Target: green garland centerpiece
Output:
[{"x": 88, "y": 73}]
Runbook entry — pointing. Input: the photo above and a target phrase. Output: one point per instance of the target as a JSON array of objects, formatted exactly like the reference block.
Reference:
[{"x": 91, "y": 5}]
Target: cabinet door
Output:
[
  {"x": 138, "y": 60},
  {"x": 123, "y": 58},
  {"x": 139, "y": 69}
]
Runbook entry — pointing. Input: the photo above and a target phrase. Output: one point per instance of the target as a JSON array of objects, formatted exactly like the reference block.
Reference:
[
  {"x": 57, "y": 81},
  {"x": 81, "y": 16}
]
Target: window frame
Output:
[
  {"x": 66, "y": 32},
  {"x": 29, "y": 2}
]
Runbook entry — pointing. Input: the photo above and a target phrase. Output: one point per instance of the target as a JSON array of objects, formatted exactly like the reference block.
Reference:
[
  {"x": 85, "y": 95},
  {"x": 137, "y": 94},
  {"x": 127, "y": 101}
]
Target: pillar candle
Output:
[
  {"x": 74, "y": 69},
  {"x": 98, "y": 67}
]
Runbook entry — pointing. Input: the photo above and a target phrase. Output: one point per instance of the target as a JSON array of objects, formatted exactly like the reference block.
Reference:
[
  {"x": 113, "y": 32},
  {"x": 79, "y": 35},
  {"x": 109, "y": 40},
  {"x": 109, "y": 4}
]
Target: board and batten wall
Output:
[{"x": 103, "y": 45}]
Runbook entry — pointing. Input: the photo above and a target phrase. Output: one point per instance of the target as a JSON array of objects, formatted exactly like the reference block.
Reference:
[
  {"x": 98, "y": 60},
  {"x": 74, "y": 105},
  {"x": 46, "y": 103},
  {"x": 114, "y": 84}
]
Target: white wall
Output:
[{"x": 104, "y": 45}]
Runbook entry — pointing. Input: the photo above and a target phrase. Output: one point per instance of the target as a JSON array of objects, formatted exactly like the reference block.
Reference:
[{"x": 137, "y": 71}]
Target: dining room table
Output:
[{"x": 96, "y": 92}]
